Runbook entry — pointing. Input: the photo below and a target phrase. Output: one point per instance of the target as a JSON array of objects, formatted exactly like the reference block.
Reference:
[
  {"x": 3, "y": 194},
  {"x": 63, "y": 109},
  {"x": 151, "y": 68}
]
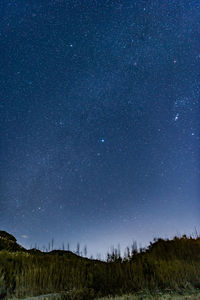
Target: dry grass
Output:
[{"x": 156, "y": 297}]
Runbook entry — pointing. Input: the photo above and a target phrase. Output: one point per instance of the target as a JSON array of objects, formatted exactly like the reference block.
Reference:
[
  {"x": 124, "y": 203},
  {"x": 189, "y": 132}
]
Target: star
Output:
[
  {"x": 176, "y": 117},
  {"x": 102, "y": 140}
]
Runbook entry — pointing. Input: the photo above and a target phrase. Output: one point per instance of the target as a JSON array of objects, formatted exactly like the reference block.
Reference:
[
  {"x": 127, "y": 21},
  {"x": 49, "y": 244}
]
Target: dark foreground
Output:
[
  {"x": 156, "y": 297},
  {"x": 194, "y": 295},
  {"x": 167, "y": 266}
]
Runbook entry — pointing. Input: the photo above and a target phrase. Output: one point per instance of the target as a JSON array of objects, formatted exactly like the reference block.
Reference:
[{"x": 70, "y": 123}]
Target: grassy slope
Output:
[
  {"x": 155, "y": 297},
  {"x": 165, "y": 265}
]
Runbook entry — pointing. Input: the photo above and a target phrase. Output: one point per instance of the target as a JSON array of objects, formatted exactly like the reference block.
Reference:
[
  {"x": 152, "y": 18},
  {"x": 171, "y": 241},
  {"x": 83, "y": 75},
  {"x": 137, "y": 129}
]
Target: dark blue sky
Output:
[{"x": 99, "y": 120}]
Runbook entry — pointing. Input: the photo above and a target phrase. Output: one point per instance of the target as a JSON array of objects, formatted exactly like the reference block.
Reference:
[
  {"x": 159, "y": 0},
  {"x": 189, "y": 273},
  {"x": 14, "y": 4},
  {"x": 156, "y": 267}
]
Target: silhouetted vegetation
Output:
[
  {"x": 7, "y": 236},
  {"x": 166, "y": 265}
]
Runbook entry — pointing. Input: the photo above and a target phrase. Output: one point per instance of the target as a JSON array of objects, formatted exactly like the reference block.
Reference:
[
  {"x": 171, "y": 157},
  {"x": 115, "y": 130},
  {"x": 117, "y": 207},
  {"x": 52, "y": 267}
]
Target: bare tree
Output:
[
  {"x": 78, "y": 249},
  {"x": 68, "y": 246},
  {"x": 52, "y": 244},
  {"x": 85, "y": 250},
  {"x": 63, "y": 246},
  {"x": 134, "y": 249}
]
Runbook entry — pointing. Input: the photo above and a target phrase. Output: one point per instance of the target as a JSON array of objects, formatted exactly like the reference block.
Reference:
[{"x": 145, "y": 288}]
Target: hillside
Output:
[{"x": 166, "y": 265}]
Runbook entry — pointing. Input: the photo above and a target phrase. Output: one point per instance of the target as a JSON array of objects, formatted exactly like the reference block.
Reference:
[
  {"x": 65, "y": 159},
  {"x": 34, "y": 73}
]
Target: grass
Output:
[
  {"x": 156, "y": 297},
  {"x": 139, "y": 296},
  {"x": 170, "y": 266}
]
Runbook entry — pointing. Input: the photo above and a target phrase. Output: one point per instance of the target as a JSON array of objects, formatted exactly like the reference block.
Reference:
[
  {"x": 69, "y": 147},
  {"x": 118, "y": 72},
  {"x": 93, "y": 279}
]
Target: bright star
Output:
[
  {"x": 102, "y": 140},
  {"x": 176, "y": 117}
]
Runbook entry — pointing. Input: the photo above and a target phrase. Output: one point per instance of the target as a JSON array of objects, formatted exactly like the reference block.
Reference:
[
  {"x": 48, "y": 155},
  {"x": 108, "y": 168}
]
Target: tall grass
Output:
[
  {"x": 153, "y": 297},
  {"x": 166, "y": 265}
]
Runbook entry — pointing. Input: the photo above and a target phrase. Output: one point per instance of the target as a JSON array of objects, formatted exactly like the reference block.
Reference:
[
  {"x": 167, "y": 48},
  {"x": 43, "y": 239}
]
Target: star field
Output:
[{"x": 99, "y": 121}]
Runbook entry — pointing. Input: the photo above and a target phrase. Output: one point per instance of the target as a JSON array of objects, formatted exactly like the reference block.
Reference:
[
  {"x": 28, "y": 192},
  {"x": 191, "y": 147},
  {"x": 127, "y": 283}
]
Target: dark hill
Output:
[
  {"x": 66, "y": 253},
  {"x": 7, "y": 236},
  {"x": 8, "y": 242},
  {"x": 183, "y": 248}
]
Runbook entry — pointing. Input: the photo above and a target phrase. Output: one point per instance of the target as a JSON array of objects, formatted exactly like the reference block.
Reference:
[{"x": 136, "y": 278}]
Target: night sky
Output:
[{"x": 99, "y": 121}]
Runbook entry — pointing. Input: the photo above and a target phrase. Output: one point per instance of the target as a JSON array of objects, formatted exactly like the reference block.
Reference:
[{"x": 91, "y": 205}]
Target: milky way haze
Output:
[{"x": 99, "y": 124}]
